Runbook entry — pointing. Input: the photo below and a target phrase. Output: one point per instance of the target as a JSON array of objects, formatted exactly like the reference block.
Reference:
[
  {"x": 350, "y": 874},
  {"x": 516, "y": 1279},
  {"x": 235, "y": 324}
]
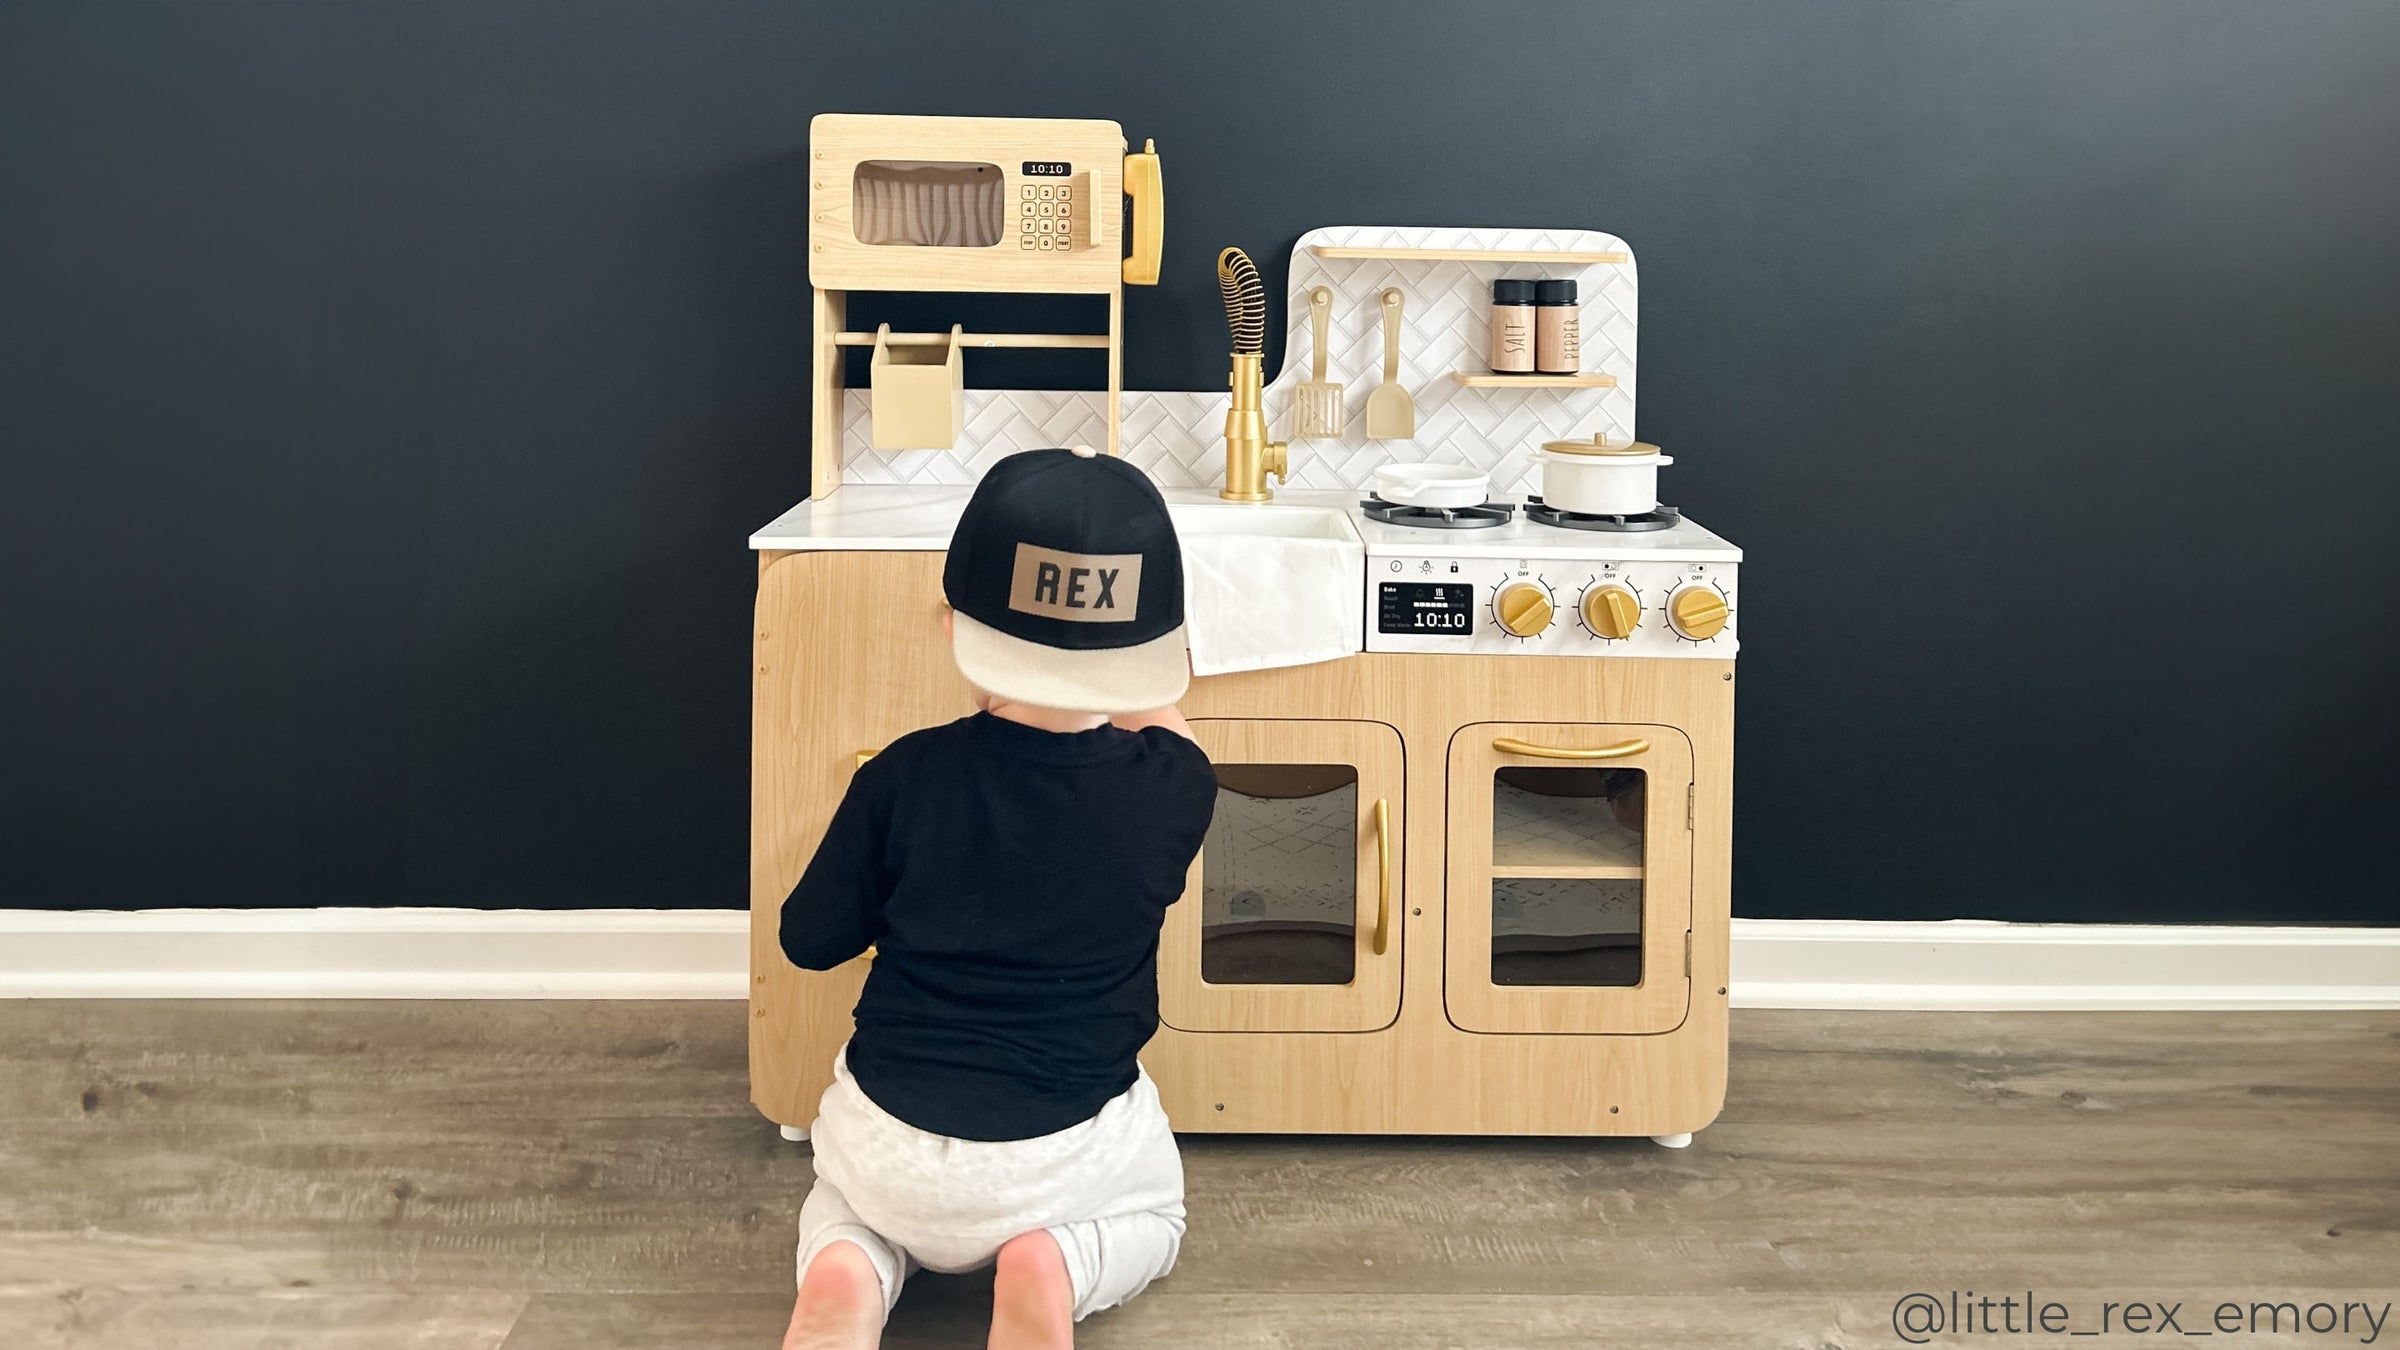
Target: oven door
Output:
[
  {"x": 965, "y": 204},
  {"x": 1291, "y": 921},
  {"x": 1570, "y": 878}
]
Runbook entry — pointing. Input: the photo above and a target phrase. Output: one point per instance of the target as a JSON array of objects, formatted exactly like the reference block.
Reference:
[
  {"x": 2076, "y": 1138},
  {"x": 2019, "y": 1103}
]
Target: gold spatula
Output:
[
  {"x": 1391, "y": 414},
  {"x": 1317, "y": 403}
]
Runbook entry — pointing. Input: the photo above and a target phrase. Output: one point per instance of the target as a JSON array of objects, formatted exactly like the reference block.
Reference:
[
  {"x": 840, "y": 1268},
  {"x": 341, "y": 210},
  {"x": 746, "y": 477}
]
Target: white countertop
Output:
[
  {"x": 920, "y": 519},
  {"x": 871, "y": 516}
]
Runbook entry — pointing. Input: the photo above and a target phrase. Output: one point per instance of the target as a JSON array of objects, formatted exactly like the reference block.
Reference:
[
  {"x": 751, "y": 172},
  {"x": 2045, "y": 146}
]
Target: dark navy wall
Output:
[{"x": 386, "y": 389}]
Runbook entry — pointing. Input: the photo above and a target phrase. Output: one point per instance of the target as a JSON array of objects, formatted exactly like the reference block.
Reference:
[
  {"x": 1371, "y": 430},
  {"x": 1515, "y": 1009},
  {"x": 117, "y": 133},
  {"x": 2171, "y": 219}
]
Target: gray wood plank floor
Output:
[{"x": 549, "y": 1175}]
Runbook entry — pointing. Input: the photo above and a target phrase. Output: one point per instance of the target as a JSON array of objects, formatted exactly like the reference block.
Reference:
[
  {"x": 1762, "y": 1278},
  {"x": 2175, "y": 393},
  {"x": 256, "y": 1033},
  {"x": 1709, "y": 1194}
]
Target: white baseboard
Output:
[
  {"x": 375, "y": 953},
  {"x": 1777, "y": 963},
  {"x": 1978, "y": 964}
]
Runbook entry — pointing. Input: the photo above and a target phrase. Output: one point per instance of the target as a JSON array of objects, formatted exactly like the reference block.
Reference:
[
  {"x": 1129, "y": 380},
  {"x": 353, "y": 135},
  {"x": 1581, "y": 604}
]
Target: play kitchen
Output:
[{"x": 1467, "y": 682}]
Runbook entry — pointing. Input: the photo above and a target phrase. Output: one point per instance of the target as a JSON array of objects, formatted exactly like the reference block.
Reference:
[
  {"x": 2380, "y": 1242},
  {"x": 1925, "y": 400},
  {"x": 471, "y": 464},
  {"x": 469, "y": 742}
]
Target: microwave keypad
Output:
[{"x": 1044, "y": 213}]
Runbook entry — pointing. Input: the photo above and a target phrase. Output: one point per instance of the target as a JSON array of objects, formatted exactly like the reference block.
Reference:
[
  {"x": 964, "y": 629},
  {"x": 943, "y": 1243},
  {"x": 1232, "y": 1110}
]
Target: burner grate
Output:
[
  {"x": 1542, "y": 513},
  {"x": 1481, "y": 517}
]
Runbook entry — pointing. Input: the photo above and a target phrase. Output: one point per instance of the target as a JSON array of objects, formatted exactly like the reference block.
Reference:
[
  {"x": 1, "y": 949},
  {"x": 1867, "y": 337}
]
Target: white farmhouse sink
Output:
[
  {"x": 1266, "y": 520},
  {"x": 1269, "y": 585}
]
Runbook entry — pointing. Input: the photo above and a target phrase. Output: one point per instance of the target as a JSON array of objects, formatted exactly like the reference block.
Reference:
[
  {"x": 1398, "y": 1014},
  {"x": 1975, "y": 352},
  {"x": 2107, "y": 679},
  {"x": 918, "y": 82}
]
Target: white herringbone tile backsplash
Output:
[{"x": 1177, "y": 435}]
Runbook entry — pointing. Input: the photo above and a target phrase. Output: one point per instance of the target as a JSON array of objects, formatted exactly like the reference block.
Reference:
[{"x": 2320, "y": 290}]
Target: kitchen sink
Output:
[
  {"x": 1269, "y": 585},
  {"x": 1267, "y": 521}
]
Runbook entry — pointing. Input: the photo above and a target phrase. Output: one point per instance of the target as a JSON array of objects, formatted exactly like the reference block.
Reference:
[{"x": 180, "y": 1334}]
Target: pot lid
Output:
[{"x": 1598, "y": 445}]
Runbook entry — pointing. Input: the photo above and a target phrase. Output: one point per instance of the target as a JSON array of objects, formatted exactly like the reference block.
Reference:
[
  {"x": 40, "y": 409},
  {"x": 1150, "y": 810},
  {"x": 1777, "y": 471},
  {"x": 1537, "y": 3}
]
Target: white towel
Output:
[{"x": 1252, "y": 603}]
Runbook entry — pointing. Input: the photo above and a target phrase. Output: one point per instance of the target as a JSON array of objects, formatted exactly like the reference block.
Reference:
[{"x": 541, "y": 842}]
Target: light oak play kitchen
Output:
[{"x": 1472, "y": 876}]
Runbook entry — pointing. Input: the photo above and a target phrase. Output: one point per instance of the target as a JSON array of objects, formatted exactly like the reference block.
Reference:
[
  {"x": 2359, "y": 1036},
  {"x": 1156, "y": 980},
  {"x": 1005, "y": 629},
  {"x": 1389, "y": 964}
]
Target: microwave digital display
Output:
[
  {"x": 1047, "y": 168},
  {"x": 1424, "y": 607}
]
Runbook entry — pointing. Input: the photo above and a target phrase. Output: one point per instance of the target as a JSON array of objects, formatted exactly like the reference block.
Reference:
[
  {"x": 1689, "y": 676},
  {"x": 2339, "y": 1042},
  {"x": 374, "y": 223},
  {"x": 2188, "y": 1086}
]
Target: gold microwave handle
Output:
[
  {"x": 1510, "y": 745},
  {"x": 1383, "y": 885},
  {"x": 1149, "y": 215}
]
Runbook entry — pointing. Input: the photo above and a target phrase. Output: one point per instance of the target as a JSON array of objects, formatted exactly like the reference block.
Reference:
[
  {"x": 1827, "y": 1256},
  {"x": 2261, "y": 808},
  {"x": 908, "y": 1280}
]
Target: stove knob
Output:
[
  {"x": 1610, "y": 610},
  {"x": 1524, "y": 608},
  {"x": 1698, "y": 612}
]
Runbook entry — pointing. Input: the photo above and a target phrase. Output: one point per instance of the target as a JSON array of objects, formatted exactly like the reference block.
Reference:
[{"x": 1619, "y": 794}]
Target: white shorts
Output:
[{"x": 1110, "y": 1190}]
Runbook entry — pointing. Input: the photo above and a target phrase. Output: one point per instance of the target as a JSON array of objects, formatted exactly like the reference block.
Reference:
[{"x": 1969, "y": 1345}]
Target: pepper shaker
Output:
[{"x": 1558, "y": 341}]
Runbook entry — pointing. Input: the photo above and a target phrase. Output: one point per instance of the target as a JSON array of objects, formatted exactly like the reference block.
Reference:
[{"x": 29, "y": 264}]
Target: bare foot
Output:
[
  {"x": 841, "y": 1302},
  {"x": 1033, "y": 1303}
]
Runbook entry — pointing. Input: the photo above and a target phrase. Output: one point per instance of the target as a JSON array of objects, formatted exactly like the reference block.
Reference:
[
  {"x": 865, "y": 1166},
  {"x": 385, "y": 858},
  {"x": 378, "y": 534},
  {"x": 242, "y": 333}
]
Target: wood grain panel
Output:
[
  {"x": 845, "y": 668},
  {"x": 849, "y": 655}
]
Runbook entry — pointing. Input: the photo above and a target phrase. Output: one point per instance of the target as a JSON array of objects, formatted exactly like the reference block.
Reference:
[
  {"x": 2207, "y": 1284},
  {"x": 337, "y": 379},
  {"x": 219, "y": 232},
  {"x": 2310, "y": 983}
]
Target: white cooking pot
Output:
[
  {"x": 1432, "y": 485},
  {"x": 1599, "y": 479}
]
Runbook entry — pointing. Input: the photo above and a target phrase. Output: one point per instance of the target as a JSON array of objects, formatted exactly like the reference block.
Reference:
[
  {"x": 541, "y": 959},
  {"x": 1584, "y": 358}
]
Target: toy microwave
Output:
[{"x": 979, "y": 204}]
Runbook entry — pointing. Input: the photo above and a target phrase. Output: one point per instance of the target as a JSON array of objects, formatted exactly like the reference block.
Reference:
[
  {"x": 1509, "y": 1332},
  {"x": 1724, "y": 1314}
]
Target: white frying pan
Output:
[{"x": 1432, "y": 485}]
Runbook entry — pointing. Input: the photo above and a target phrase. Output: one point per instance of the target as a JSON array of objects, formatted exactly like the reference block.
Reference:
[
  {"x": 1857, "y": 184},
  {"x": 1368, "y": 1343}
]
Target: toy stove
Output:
[{"x": 1493, "y": 580}]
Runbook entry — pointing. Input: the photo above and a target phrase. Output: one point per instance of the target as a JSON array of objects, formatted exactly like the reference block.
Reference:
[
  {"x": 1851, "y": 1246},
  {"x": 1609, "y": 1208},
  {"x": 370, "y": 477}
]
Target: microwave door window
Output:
[{"x": 927, "y": 203}]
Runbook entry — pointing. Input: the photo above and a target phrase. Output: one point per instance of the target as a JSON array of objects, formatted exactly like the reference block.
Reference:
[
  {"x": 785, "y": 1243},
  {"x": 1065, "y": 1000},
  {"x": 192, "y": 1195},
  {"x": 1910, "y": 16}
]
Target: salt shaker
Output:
[{"x": 1512, "y": 327}]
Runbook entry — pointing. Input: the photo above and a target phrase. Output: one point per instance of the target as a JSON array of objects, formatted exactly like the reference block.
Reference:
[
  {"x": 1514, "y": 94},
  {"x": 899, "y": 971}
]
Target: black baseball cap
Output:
[{"x": 1067, "y": 584}]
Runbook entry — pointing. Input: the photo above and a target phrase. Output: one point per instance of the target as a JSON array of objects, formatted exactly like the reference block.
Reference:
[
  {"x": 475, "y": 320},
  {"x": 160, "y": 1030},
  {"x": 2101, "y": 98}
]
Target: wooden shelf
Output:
[
  {"x": 1568, "y": 257},
  {"x": 1484, "y": 379},
  {"x": 1089, "y": 341},
  {"x": 1569, "y": 871}
]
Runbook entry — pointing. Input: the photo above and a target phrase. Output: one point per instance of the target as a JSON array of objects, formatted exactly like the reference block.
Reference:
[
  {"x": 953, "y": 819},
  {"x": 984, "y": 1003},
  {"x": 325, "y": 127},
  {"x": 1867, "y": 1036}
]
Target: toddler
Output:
[{"x": 1011, "y": 870}]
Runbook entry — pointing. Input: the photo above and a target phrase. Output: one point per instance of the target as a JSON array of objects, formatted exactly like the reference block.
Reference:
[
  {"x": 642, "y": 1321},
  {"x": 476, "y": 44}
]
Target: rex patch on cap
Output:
[{"x": 1067, "y": 585}]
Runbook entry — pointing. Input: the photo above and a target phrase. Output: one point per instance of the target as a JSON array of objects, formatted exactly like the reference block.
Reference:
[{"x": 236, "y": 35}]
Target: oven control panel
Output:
[{"x": 1551, "y": 606}]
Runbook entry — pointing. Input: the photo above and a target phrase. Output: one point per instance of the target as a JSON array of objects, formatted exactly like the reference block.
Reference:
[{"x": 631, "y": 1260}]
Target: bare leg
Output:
[
  {"x": 841, "y": 1303},
  {"x": 1033, "y": 1302}
]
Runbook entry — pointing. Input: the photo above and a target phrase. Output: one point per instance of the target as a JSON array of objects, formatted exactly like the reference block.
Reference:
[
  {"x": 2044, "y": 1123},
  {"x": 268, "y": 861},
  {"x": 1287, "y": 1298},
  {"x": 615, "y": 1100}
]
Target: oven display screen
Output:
[
  {"x": 1047, "y": 168},
  {"x": 1424, "y": 607}
]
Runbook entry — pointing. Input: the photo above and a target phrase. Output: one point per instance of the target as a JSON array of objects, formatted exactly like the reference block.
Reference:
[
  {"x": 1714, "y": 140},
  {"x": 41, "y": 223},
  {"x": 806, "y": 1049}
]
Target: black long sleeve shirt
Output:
[{"x": 1013, "y": 882}]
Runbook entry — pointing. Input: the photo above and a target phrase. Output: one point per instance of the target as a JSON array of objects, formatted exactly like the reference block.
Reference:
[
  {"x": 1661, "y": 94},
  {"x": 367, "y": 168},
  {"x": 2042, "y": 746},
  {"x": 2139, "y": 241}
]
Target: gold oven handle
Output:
[
  {"x": 1383, "y": 885},
  {"x": 1510, "y": 745}
]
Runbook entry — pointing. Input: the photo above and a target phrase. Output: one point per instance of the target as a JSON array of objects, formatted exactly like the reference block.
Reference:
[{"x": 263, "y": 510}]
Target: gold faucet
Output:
[{"x": 1249, "y": 455}]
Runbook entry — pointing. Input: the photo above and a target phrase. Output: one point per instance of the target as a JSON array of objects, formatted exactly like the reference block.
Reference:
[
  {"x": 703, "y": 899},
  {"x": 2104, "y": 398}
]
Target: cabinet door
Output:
[
  {"x": 1570, "y": 889},
  {"x": 1291, "y": 919}
]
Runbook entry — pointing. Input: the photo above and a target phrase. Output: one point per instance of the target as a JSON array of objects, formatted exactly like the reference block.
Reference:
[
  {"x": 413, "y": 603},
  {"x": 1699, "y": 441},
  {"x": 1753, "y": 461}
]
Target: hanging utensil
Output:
[
  {"x": 1317, "y": 402},
  {"x": 1391, "y": 414}
]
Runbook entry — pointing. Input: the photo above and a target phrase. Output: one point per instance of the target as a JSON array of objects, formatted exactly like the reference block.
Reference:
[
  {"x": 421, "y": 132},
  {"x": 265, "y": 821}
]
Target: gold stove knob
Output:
[
  {"x": 1697, "y": 612},
  {"x": 1523, "y": 608},
  {"x": 1610, "y": 611}
]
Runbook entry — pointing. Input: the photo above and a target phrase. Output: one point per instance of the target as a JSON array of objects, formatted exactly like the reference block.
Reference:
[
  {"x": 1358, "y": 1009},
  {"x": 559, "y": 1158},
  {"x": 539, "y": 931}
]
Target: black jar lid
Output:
[
  {"x": 1512, "y": 292},
  {"x": 1554, "y": 293}
]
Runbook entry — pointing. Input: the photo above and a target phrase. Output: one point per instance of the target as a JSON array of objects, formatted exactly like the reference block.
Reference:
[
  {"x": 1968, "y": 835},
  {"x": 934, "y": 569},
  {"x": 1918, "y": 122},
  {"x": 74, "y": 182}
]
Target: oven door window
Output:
[
  {"x": 1578, "y": 920},
  {"x": 928, "y": 203},
  {"x": 1279, "y": 876}
]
